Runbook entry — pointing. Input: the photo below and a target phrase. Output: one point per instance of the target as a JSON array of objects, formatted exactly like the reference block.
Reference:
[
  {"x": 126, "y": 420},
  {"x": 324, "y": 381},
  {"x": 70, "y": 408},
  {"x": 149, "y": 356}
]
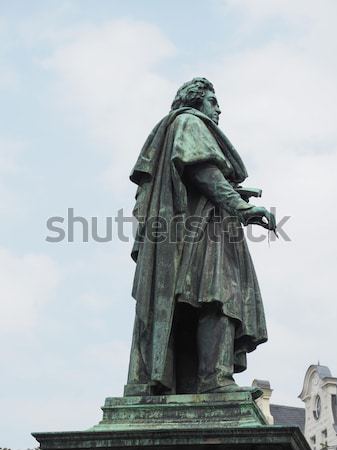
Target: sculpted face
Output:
[{"x": 210, "y": 107}]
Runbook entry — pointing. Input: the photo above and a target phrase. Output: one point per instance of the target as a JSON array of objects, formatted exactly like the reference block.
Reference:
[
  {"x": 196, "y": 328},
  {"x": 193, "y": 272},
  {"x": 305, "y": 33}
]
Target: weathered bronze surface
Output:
[{"x": 199, "y": 310}]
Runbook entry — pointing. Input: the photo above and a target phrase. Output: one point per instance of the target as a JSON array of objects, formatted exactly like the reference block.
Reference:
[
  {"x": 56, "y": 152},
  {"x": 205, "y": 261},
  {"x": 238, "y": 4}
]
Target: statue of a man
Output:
[{"x": 199, "y": 309}]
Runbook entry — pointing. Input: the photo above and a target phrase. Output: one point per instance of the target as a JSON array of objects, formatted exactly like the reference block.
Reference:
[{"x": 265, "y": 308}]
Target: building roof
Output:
[
  {"x": 323, "y": 371},
  {"x": 288, "y": 415},
  {"x": 324, "y": 375},
  {"x": 262, "y": 384}
]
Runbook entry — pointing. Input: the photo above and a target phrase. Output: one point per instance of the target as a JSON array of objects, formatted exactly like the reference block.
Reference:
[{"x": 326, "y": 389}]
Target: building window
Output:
[
  {"x": 317, "y": 407},
  {"x": 334, "y": 407}
]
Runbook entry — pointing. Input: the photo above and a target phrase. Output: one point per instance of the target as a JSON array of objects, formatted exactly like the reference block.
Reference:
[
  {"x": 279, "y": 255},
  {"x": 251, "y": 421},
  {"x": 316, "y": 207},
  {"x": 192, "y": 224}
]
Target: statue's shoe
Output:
[{"x": 233, "y": 387}]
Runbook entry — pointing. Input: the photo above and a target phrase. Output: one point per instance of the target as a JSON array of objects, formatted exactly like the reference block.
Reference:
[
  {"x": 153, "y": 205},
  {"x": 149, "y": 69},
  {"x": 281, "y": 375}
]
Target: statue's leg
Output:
[
  {"x": 185, "y": 348},
  {"x": 215, "y": 340}
]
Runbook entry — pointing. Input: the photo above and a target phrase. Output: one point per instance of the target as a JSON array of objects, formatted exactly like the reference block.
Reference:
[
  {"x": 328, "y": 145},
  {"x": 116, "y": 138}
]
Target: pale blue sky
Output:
[{"x": 82, "y": 83}]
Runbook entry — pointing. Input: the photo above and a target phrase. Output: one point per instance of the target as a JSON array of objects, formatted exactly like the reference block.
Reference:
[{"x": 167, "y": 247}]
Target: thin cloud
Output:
[{"x": 26, "y": 283}]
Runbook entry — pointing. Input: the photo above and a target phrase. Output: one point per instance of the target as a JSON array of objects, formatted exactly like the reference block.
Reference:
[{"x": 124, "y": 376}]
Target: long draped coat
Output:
[{"x": 173, "y": 269}]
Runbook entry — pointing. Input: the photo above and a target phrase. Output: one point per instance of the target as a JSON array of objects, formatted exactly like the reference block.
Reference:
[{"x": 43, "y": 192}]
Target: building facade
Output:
[
  {"x": 319, "y": 395},
  {"x": 318, "y": 419}
]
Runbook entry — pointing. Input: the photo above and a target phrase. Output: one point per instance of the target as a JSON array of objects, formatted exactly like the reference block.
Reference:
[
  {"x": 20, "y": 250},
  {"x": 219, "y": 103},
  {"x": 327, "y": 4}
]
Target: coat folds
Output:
[{"x": 170, "y": 269}]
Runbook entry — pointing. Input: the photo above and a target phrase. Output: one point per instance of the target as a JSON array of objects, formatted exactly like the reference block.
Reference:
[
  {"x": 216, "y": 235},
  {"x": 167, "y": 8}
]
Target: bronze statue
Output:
[{"x": 199, "y": 310}]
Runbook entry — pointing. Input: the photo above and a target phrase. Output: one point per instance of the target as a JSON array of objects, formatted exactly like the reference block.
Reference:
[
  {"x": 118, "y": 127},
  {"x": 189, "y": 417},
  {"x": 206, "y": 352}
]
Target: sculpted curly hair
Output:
[{"x": 192, "y": 93}]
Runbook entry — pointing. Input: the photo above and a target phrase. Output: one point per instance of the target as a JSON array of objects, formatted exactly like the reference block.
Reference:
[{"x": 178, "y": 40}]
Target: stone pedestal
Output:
[{"x": 205, "y": 421}]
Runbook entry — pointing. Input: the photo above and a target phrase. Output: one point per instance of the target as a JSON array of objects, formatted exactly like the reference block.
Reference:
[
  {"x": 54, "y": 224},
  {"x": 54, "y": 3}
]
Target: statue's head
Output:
[{"x": 199, "y": 94}]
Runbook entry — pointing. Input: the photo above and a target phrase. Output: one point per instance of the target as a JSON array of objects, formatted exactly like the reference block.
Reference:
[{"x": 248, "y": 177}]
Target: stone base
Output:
[
  {"x": 182, "y": 411},
  {"x": 201, "y": 421}
]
